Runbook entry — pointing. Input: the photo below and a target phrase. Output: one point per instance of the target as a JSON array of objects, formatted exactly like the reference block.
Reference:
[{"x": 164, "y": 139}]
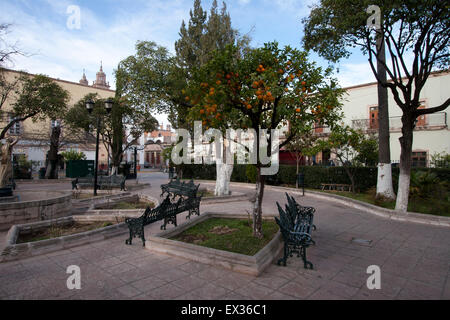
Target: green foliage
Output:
[
  {"x": 365, "y": 177},
  {"x": 333, "y": 28},
  {"x": 440, "y": 160},
  {"x": 426, "y": 184},
  {"x": 41, "y": 98},
  {"x": 73, "y": 155},
  {"x": 238, "y": 239},
  {"x": 37, "y": 97},
  {"x": 251, "y": 173},
  {"x": 123, "y": 115},
  {"x": 265, "y": 88},
  {"x": 367, "y": 152}
]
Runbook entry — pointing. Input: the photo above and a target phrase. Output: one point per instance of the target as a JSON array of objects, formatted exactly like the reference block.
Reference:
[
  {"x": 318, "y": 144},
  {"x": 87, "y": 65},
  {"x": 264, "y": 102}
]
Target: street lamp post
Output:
[{"x": 90, "y": 106}]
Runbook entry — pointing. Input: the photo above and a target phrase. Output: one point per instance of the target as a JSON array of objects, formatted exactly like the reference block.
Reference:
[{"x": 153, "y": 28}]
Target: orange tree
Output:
[{"x": 264, "y": 88}]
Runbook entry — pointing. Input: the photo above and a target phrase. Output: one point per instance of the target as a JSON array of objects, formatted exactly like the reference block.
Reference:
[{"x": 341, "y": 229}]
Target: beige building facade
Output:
[
  {"x": 34, "y": 136},
  {"x": 431, "y": 135}
]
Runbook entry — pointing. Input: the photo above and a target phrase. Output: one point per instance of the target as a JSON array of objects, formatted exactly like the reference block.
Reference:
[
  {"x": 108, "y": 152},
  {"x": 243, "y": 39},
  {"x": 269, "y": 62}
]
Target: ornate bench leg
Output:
[
  {"x": 193, "y": 211},
  {"x": 285, "y": 256},
  {"x": 306, "y": 263},
  {"x": 130, "y": 239}
]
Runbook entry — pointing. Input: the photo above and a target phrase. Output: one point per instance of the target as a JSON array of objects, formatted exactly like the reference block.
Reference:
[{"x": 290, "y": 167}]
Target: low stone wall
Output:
[
  {"x": 14, "y": 251},
  {"x": 252, "y": 265},
  {"x": 47, "y": 205}
]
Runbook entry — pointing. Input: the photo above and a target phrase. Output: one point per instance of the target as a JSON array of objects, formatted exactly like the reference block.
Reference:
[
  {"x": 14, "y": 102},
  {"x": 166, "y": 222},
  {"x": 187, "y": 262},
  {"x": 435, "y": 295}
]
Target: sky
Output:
[{"x": 56, "y": 45}]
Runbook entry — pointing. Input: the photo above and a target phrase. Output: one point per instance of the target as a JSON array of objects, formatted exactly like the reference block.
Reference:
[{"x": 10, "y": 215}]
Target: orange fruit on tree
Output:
[
  {"x": 218, "y": 82},
  {"x": 298, "y": 110},
  {"x": 303, "y": 83},
  {"x": 202, "y": 111}
]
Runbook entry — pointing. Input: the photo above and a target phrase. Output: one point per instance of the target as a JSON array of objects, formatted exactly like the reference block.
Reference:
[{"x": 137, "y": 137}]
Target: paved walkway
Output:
[{"x": 414, "y": 261}]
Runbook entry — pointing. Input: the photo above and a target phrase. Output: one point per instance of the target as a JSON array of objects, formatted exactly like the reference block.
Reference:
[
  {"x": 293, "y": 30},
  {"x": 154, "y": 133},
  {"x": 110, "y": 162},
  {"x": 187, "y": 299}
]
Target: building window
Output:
[
  {"x": 15, "y": 128},
  {"x": 421, "y": 120},
  {"x": 419, "y": 158},
  {"x": 373, "y": 118},
  {"x": 318, "y": 128},
  {"x": 55, "y": 123}
]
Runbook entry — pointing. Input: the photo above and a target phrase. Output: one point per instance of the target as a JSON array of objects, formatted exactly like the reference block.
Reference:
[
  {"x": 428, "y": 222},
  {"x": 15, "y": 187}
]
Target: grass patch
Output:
[
  {"x": 132, "y": 205},
  {"x": 59, "y": 231},
  {"x": 207, "y": 194},
  {"x": 233, "y": 235},
  {"x": 439, "y": 207}
]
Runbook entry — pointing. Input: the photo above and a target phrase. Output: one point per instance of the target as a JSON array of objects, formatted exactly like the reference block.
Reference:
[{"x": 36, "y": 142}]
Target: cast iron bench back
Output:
[
  {"x": 296, "y": 225},
  {"x": 103, "y": 182},
  {"x": 180, "y": 197},
  {"x": 177, "y": 188}
]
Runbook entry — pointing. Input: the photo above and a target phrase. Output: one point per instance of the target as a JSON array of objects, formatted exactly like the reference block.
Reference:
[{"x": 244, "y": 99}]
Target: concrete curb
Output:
[
  {"x": 13, "y": 251},
  {"x": 413, "y": 217}
]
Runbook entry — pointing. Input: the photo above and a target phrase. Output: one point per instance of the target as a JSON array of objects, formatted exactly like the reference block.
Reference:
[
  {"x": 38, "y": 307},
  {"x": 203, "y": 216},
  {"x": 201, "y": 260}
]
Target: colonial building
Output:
[
  {"x": 431, "y": 134},
  {"x": 151, "y": 146},
  {"x": 34, "y": 136}
]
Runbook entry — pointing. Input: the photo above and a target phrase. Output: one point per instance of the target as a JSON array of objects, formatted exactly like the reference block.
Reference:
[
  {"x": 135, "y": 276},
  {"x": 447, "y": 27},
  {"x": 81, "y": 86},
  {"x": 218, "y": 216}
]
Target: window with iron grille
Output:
[
  {"x": 15, "y": 128},
  {"x": 55, "y": 123},
  {"x": 419, "y": 158}
]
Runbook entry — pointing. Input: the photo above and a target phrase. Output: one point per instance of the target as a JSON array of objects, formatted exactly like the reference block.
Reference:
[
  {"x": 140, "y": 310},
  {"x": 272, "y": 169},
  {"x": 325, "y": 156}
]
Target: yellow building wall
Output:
[{"x": 34, "y": 132}]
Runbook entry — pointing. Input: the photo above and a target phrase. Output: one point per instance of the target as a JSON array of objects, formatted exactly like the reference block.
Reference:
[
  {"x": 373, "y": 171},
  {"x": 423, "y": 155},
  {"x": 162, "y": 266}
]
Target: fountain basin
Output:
[{"x": 32, "y": 206}]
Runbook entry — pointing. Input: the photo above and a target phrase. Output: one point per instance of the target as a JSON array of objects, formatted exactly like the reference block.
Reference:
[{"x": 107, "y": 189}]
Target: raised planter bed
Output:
[
  {"x": 14, "y": 250},
  {"x": 252, "y": 265}
]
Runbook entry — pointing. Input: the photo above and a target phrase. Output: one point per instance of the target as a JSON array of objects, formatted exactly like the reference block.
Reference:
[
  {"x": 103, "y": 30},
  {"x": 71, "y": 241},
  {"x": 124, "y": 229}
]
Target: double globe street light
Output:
[{"x": 90, "y": 107}]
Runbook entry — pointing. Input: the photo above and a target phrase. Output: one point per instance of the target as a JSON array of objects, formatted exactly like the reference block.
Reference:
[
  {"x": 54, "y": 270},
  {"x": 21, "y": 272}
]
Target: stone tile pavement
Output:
[{"x": 414, "y": 261}]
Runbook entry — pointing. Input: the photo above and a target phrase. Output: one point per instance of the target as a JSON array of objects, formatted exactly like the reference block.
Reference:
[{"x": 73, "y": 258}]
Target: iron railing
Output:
[{"x": 436, "y": 120}]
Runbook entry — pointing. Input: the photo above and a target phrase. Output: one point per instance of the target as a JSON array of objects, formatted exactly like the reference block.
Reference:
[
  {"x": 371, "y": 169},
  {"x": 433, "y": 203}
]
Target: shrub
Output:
[{"x": 365, "y": 177}]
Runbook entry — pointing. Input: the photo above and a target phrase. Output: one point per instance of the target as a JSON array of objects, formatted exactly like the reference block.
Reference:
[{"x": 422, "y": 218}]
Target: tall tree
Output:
[
  {"x": 263, "y": 90},
  {"x": 136, "y": 121},
  {"x": 300, "y": 145},
  {"x": 330, "y": 22},
  {"x": 7, "y": 50},
  {"x": 416, "y": 29},
  {"x": 38, "y": 98},
  {"x": 154, "y": 78}
]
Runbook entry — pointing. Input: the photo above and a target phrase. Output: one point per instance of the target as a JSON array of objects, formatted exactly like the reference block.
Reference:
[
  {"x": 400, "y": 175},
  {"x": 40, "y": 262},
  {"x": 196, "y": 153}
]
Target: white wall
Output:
[{"x": 358, "y": 100}]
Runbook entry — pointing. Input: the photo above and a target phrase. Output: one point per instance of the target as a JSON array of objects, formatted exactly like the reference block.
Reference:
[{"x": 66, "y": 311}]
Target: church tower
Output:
[
  {"x": 100, "y": 81},
  {"x": 83, "y": 80}
]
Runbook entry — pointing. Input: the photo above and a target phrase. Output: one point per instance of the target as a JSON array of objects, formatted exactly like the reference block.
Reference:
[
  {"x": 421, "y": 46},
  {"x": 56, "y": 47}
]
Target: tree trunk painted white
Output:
[
  {"x": 114, "y": 170},
  {"x": 384, "y": 181},
  {"x": 224, "y": 172},
  {"x": 224, "y": 169},
  {"x": 403, "y": 191},
  {"x": 406, "y": 141}
]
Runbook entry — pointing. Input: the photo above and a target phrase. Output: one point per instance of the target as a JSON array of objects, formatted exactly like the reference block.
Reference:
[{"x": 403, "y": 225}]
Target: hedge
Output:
[{"x": 364, "y": 177}]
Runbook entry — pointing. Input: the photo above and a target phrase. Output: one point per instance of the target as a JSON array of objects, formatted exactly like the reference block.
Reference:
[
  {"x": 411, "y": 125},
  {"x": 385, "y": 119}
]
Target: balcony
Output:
[{"x": 434, "y": 121}]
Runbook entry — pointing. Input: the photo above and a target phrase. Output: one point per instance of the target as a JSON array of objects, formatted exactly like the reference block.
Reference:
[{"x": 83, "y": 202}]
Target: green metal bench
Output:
[
  {"x": 103, "y": 182},
  {"x": 180, "y": 197},
  {"x": 188, "y": 190},
  {"x": 296, "y": 225}
]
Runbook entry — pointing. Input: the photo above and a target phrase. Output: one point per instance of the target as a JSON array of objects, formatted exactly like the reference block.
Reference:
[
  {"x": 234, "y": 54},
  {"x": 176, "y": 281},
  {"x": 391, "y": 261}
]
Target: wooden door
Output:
[
  {"x": 421, "y": 120},
  {"x": 373, "y": 118}
]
